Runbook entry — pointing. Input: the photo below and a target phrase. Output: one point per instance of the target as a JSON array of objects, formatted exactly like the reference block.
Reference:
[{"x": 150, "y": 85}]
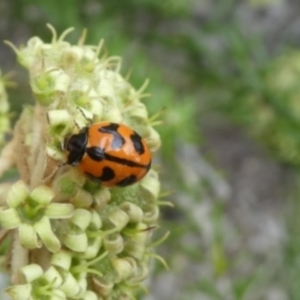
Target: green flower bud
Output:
[
  {"x": 94, "y": 246},
  {"x": 151, "y": 214},
  {"x": 62, "y": 259},
  {"x": 58, "y": 295},
  {"x": 153, "y": 139},
  {"x": 31, "y": 272},
  {"x": 81, "y": 218},
  {"x": 96, "y": 222},
  {"x": 59, "y": 210},
  {"x": 17, "y": 194},
  {"x": 139, "y": 112},
  {"x": 94, "y": 240},
  {"x": 112, "y": 115},
  {"x": 118, "y": 218},
  {"x": 150, "y": 185},
  {"x": 68, "y": 184},
  {"x": 105, "y": 90},
  {"x": 82, "y": 283},
  {"x": 101, "y": 198},
  {"x": 9, "y": 218},
  {"x": 59, "y": 117},
  {"x": 61, "y": 81},
  {"x": 89, "y": 295},
  {"x": 142, "y": 272},
  {"x": 82, "y": 199},
  {"x": 134, "y": 212},
  {"x": 76, "y": 241},
  {"x": 43, "y": 88},
  {"x": 26, "y": 56},
  {"x": 136, "y": 244},
  {"x": 123, "y": 268},
  {"x": 44, "y": 230},
  {"x": 28, "y": 237},
  {"x": 42, "y": 195},
  {"x": 135, "y": 250},
  {"x": 53, "y": 276},
  {"x": 113, "y": 243},
  {"x": 97, "y": 108},
  {"x": 54, "y": 153},
  {"x": 19, "y": 292},
  {"x": 70, "y": 286},
  {"x": 71, "y": 55},
  {"x": 102, "y": 287}
]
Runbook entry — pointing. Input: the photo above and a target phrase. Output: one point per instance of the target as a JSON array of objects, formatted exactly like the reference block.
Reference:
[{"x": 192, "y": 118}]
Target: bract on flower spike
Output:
[{"x": 86, "y": 202}]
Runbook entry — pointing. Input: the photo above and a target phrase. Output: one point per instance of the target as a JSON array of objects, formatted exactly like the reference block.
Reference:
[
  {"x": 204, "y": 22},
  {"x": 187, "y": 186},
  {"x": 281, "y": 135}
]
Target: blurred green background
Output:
[{"x": 227, "y": 74}]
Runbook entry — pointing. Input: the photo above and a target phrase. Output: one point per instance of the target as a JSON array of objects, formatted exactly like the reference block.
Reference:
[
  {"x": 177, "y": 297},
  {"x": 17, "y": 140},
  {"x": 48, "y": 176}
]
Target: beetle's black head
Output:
[{"x": 75, "y": 145}]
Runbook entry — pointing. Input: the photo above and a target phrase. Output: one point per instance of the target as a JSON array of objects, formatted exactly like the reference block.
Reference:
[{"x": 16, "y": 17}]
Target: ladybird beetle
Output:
[{"x": 109, "y": 153}]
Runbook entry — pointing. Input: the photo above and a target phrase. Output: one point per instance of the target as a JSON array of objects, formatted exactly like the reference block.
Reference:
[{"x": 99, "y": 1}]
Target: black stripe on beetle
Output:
[
  {"x": 137, "y": 143},
  {"x": 98, "y": 154},
  {"x": 118, "y": 141}
]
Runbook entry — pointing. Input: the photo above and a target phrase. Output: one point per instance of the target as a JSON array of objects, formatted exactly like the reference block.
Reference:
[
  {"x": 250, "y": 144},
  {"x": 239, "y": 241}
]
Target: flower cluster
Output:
[
  {"x": 80, "y": 240},
  {"x": 31, "y": 212}
]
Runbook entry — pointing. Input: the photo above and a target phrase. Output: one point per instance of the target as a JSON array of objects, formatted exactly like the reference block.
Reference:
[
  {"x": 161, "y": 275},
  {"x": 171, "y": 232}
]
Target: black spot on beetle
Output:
[
  {"x": 96, "y": 153},
  {"x": 107, "y": 174},
  {"x": 118, "y": 140},
  {"x": 127, "y": 181},
  {"x": 137, "y": 143}
]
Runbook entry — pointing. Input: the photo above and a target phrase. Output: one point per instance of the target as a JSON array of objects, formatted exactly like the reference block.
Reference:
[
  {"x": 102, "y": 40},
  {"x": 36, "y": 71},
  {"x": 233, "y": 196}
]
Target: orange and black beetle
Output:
[{"x": 110, "y": 153}]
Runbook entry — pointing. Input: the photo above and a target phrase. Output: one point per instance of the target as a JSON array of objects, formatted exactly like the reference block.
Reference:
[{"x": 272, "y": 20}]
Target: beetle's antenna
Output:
[{"x": 84, "y": 115}]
